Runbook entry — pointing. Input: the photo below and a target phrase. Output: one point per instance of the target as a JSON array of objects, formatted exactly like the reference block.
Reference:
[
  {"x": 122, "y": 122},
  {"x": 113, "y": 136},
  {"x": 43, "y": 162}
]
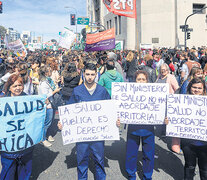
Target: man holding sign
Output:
[{"x": 89, "y": 91}]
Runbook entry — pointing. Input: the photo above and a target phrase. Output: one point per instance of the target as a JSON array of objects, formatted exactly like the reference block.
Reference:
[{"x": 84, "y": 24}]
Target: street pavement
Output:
[{"x": 59, "y": 162}]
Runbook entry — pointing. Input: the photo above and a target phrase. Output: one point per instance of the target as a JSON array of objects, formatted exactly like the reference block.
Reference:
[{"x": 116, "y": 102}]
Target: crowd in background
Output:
[{"x": 50, "y": 72}]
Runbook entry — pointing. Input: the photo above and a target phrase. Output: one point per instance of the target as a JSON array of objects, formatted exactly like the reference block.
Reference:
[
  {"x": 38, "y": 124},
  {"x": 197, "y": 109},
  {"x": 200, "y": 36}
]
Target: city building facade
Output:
[
  {"x": 13, "y": 35},
  {"x": 26, "y": 37},
  {"x": 157, "y": 24}
]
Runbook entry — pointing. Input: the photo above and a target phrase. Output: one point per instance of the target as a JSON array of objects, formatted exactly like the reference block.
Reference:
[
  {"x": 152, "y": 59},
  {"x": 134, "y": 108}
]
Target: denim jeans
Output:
[{"x": 48, "y": 121}]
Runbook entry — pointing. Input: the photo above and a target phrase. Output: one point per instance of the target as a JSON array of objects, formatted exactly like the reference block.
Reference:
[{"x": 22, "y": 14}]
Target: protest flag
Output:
[
  {"x": 122, "y": 8},
  {"x": 67, "y": 37},
  {"x": 16, "y": 46},
  {"x": 100, "y": 41}
]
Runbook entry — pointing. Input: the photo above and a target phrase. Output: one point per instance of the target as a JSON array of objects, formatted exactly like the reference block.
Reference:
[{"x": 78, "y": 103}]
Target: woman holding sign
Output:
[
  {"x": 195, "y": 150},
  {"x": 16, "y": 165},
  {"x": 135, "y": 134}
]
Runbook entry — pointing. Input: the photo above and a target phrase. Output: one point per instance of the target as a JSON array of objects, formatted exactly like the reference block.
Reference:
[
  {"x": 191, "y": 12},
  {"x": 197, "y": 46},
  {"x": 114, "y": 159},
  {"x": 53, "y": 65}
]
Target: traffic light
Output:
[
  {"x": 83, "y": 32},
  {"x": 188, "y": 35},
  {"x": 1, "y": 7},
  {"x": 72, "y": 19}
]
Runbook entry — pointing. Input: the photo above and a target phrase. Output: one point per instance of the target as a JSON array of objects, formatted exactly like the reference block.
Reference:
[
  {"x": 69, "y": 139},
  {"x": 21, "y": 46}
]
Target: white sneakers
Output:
[
  {"x": 50, "y": 139},
  {"x": 46, "y": 143}
]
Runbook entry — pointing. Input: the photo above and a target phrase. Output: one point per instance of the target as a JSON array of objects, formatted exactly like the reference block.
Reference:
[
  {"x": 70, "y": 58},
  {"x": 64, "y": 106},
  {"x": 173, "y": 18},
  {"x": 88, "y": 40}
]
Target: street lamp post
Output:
[
  {"x": 67, "y": 7},
  {"x": 196, "y": 12}
]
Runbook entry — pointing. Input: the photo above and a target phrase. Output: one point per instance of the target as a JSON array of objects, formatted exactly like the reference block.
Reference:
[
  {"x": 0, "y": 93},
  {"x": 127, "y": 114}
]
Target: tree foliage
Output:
[{"x": 54, "y": 40}]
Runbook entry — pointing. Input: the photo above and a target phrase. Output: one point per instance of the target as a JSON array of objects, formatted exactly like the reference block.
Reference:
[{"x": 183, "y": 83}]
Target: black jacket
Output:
[
  {"x": 71, "y": 80},
  {"x": 131, "y": 68},
  {"x": 152, "y": 77}
]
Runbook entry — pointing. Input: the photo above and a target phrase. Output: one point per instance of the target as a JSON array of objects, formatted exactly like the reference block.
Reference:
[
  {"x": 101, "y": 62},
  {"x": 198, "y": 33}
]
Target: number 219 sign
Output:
[{"x": 121, "y": 7}]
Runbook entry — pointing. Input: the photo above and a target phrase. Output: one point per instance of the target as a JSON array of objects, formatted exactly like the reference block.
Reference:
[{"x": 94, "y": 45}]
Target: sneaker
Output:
[
  {"x": 50, "y": 139},
  {"x": 46, "y": 143}
]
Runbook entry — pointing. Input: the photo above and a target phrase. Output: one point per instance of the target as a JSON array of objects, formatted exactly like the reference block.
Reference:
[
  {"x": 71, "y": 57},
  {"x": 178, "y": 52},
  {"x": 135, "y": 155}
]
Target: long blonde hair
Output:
[{"x": 130, "y": 56}]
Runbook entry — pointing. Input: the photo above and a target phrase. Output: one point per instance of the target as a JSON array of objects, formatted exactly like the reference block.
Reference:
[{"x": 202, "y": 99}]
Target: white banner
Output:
[
  {"x": 187, "y": 116},
  {"x": 66, "y": 38},
  {"x": 140, "y": 103},
  {"x": 16, "y": 46},
  {"x": 89, "y": 121}
]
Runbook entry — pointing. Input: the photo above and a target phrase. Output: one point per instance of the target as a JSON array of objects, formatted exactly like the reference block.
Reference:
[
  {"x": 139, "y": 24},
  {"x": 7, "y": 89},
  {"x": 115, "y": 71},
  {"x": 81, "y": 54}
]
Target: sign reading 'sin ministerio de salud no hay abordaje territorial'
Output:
[
  {"x": 187, "y": 116},
  {"x": 140, "y": 103},
  {"x": 89, "y": 121}
]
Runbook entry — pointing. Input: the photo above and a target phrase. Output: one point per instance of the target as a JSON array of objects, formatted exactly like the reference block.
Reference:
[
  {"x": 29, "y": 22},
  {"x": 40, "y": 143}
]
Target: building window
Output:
[
  {"x": 110, "y": 24},
  {"x": 197, "y": 7},
  {"x": 116, "y": 25},
  {"x": 119, "y": 24},
  {"x": 206, "y": 19},
  {"x": 107, "y": 24},
  {"x": 155, "y": 40}
]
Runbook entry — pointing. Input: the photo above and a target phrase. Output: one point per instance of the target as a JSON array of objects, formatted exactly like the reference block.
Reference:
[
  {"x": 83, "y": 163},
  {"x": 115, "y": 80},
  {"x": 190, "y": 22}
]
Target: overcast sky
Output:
[{"x": 41, "y": 17}]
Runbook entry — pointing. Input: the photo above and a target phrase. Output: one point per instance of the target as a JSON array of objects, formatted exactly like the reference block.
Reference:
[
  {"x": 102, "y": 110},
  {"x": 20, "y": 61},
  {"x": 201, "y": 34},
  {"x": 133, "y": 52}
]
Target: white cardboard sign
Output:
[
  {"x": 140, "y": 103},
  {"x": 187, "y": 116},
  {"x": 89, "y": 121}
]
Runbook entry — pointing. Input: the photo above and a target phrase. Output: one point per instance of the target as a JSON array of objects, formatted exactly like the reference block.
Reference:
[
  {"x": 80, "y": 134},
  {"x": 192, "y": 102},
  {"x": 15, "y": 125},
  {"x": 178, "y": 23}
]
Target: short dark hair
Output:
[
  {"x": 191, "y": 56},
  {"x": 110, "y": 65},
  {"x": 90, "y": 66},
  {"x": 71, "y": 67},
  {"x": 196, "y": 81},
  {"x": 141, "y": 72}
]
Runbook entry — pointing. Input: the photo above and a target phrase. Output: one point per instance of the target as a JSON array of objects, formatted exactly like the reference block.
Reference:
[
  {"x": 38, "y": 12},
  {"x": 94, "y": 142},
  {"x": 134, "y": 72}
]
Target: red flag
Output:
[{"x": 122, "y": 7}]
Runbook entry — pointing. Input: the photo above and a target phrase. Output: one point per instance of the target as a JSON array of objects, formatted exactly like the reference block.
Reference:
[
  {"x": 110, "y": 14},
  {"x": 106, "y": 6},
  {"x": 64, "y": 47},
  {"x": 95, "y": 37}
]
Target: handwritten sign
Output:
[
  {"x": 22, "y": 122},
  {"x": 187, "y": 116},
  {"x": 89, "y": 121},
  {"x": 17, "y": 46},
  {"x": 140, "y": 103},
  {"x": 66, "y": 39}
]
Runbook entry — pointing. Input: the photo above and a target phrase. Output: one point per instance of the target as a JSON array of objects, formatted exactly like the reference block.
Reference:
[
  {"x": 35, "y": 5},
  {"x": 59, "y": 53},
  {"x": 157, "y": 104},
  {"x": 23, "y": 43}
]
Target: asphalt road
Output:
[{"x": 59, "y": 162}]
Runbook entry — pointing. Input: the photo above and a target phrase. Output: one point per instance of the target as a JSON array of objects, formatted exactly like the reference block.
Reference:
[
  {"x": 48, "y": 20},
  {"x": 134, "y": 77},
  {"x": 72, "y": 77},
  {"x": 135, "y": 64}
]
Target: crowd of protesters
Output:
[{"x": 49, "y": 72}]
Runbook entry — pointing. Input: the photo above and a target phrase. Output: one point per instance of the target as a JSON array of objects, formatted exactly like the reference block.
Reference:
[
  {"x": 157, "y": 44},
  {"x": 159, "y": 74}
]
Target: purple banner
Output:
[{"x": 101, "y": 45}]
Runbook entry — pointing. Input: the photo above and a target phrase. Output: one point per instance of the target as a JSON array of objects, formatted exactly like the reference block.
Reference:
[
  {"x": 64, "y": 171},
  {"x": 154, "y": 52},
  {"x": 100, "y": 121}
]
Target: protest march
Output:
[
  {"x": 108, "y": 98},
  {"x": 87, "y": 112}
]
